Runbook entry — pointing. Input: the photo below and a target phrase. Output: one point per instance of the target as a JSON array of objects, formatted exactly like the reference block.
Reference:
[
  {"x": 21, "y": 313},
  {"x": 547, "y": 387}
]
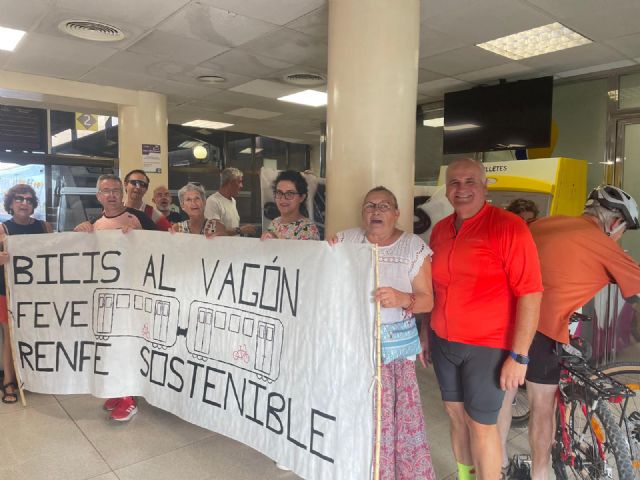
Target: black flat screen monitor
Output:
[{"x": 501, "y": 117}]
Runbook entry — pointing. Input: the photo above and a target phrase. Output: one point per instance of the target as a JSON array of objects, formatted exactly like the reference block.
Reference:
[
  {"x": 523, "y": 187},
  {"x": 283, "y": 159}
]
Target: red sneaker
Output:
[
  {"x": 111, "y": 403},
  {"x": 125, "y": 410}
]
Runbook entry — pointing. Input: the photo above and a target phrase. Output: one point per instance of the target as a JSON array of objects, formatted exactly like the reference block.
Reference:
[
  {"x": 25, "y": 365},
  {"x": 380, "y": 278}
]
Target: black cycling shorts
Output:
[
  {"x": 470, "y": 374},
  {"x": 544, "y": 364}
]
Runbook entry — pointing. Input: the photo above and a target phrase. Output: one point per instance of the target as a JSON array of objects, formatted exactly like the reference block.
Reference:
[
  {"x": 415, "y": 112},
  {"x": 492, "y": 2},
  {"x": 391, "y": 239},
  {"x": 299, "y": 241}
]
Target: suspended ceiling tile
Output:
[
  {"x": 22, "y": 15},
  {"x": 595, "y": 68},
  {"x": 50, "y": 22},
  {"x": 462, "y": 60},
  {"x": 614, "y": 21},
  {"x": 121, "y": 79},
  {"x": 278, "y": 12},
  {"x": 191, "y": 74},
  {"x": 482, "y": 21},
  {"x": 144, "y": 64},
  {"x": 315, "y": 23},
  {"x": 427, "y": 76},
  {"x": 573, "y": 58},
  {"x": 438, "y": 88},
  {"x": 431, "y": 8},
  {"x": 223, "y": 101},
  {"x": 79, "y": 51},
  {"x": 140, "y": 12},
  {"x": 47, "y": 66},
  {"x": 176, "y": 47},
  {"x": 245, "y": 63},
  {"x": 290, "y": 46},
  {"x": 628, "y": 45},
  {"x": 433, "y": 42},
  {"x": 254, "y": 113},
  {"x": 492, "y": 74},
  {"x": 213, "y": 25},
  {"x": 571, "y": 8},
  {"x": 170, "y": 87},
  {"x": 265, "y": 88}
]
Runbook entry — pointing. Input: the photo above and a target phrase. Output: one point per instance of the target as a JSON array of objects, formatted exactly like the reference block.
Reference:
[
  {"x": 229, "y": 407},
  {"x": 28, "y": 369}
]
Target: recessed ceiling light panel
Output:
[
  {"x": 207, "y": 124},
  {"x": 9, "y": 38},
  {"x": 311, "y": 98},
  {"x": 537, "y": 41},
  {"x": 91, "y": 30}
]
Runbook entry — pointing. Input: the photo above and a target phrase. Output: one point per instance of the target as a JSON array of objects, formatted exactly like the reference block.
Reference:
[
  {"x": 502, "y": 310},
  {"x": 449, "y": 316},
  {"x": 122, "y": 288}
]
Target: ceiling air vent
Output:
[
  {"x": 91, "y": 30},
  {"x": 305, "y": 79}
]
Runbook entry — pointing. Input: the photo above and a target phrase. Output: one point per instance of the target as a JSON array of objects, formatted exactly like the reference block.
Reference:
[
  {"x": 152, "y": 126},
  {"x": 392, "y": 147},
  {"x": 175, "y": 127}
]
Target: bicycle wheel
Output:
[
  {"x": 586, "y": 437},
  {"x": 628, "y": 373},
  {"x": 520, "y": 409}
]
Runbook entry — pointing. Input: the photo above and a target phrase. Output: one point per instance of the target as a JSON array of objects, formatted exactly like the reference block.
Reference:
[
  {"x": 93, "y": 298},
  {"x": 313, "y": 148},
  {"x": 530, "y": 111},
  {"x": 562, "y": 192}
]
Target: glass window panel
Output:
[
  {"x": 34, "y": 175},
  {"x": 80, "y": 133},
  {"x": 74, "y": 195},
  {"x": 629, "y": 95},
  {"x": 298, "y": 157},
  {"x": 631, "y": 239}
]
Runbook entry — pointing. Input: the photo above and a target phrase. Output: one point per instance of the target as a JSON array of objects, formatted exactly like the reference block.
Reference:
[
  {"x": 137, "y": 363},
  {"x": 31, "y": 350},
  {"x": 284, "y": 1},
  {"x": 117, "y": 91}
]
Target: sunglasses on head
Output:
[
  {"x": 22, "y": 199},
  {"x": 138, "y": 183}
]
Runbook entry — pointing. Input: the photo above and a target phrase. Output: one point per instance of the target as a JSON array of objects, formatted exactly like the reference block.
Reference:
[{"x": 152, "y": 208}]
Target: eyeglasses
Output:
[
  {"x": 138, "y": 183},
  {"x": 381, "y": 207},
  {"x": 22, "y": 199},
  {"x": 288, "y": 195},
  {"x": 110, "y": 191}
]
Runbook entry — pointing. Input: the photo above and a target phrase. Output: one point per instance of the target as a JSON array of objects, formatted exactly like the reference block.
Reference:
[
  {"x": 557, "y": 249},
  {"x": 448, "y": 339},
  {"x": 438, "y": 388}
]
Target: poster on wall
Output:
[
  {"x": 151, "y": 158},
  {"x": 267, "y": 342}
]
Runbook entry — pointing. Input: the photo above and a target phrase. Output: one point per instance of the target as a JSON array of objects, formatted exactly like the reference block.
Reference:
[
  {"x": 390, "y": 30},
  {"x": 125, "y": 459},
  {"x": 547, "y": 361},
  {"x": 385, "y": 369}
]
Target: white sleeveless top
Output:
[{"x": 399, "y": 264}]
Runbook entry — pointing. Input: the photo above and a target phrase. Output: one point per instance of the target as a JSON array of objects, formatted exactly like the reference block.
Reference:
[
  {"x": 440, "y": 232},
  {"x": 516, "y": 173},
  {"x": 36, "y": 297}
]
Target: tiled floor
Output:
[{"x": 70, "y": 438}]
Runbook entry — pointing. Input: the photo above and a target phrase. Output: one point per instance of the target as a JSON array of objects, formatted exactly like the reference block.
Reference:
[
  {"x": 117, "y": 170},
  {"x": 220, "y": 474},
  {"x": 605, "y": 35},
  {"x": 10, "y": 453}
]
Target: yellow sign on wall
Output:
[{"x": 86, "y": 121}]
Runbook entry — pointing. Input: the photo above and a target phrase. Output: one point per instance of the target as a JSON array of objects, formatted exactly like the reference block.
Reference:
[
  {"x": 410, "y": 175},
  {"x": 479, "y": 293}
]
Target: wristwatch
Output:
[
  {"x": 521, "y": 359},
  {"x": 238, "y": 231}
]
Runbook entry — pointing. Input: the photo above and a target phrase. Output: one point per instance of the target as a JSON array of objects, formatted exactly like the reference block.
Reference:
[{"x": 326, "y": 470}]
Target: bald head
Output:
[
  {"x": 466, "y": 162},
  {"x": 466, "y": 187}
]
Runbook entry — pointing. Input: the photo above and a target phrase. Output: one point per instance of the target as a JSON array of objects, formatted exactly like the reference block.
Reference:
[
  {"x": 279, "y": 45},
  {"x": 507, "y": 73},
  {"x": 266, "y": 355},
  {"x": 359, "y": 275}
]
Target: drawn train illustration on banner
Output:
[{"x": 224, "y": 334}]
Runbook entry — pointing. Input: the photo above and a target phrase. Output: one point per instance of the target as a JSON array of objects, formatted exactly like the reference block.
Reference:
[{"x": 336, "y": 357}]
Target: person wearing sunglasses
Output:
[
  {"x": 136, "y": 184},
  {"x": 404, "y": 290},
  {"x": 20, "y": 202},
  {"x": 290, "y": 192}
]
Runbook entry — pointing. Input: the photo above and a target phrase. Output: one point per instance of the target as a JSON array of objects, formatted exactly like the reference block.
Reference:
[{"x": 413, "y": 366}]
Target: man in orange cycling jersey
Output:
[{"x": 578, "y": 257}]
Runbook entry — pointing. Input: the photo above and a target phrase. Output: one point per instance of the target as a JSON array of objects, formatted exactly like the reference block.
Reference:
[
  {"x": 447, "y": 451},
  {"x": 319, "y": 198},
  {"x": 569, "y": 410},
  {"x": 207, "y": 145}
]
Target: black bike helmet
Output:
[{"x": 614, "y": 198}]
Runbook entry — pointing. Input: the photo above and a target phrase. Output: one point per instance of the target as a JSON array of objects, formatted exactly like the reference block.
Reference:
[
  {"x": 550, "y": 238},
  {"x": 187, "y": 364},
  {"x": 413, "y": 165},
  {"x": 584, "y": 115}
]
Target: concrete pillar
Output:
[
  {"x": 371, "y": 111},
  {"x": 145, "y": 122}
]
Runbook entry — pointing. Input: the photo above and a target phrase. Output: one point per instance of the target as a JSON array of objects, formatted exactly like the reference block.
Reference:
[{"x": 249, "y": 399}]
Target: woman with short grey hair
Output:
[{"x": 192, "y": 201}]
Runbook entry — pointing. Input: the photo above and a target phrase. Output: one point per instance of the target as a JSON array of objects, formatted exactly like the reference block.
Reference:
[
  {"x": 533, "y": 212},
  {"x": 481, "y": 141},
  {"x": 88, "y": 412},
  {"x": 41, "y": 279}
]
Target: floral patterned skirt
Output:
[{"x": 404, "y": 451}]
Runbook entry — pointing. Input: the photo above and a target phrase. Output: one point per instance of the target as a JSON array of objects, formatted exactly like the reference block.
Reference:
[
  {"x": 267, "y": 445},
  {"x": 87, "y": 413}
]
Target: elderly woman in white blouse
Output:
[
  {"x": 405, "y": 289},
  {"x": 192, "y": 201}
]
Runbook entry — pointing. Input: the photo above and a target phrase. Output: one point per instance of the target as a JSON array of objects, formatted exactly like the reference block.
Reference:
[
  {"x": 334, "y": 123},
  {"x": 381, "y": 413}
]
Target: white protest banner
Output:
[{"x": 267, "y": 342}]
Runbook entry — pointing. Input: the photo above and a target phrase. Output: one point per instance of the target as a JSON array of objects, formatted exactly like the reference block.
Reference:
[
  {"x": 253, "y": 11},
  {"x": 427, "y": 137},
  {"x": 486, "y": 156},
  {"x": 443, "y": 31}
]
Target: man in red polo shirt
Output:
[{"x": 487, "y": 285}]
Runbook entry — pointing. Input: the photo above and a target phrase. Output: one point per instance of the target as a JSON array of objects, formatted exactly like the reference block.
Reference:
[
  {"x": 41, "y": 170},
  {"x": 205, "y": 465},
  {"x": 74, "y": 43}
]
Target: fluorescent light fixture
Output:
[
  {"x": 312, "y": 98},
  {"x": 207, "y": 124},
  {"x": 461, "y": 126},
  {"x": 434, "y": 122},
  {"x": 247, "y": 150},
  {"x": 537, "y": 41},
  {"x": 9, "y": 38}
]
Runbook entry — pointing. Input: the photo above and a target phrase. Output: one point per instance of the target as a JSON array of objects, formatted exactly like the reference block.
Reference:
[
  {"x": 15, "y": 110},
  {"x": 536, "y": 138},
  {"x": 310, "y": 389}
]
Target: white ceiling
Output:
[{"x": 253, "y": 43}]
